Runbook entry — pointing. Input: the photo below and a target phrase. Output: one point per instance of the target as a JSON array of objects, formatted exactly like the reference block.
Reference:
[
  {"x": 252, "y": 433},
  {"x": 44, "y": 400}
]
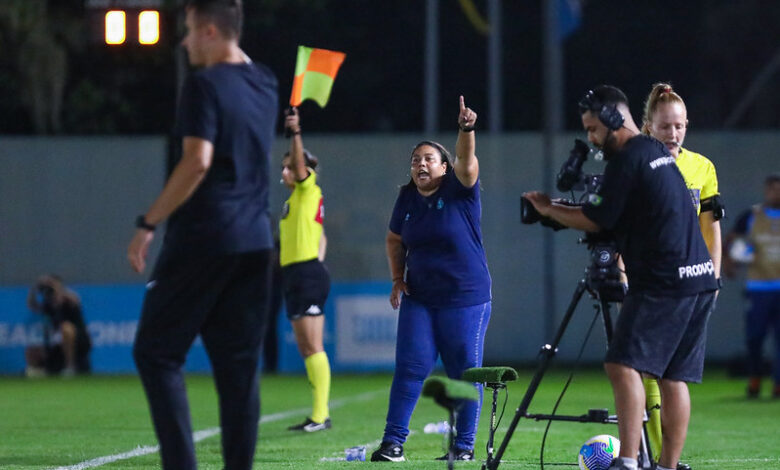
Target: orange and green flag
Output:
[{"x": 315, "y": 71}]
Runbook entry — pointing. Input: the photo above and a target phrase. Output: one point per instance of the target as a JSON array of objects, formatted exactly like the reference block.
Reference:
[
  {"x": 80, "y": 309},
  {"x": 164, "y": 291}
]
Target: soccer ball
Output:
[{"x": 598, "y": 451}]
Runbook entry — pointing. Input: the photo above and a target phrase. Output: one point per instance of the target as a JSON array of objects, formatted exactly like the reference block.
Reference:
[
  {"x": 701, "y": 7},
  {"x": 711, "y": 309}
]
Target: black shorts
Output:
[
  {"x": 306, "y": 287},
  {"x": 662, "y": 336}
]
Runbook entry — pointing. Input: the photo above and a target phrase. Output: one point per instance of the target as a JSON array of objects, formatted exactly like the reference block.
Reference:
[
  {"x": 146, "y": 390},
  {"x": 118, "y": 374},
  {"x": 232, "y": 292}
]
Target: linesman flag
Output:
[{"x": 315, "y": 71}]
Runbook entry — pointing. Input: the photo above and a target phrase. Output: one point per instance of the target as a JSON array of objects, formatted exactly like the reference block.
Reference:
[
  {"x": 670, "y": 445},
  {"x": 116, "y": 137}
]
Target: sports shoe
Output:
[
  {"x": 618, "y": 464},
  {"x": 311, "y": 426},
  {"x": 460, "y": 454},
  {"x": 683, "y": 466},
  {"x": 388, "y": 452}
]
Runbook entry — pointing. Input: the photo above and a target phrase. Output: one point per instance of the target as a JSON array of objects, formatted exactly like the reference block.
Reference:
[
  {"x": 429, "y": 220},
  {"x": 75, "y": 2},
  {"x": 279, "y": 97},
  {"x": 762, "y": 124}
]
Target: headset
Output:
[{"x": 608, "y": 114}]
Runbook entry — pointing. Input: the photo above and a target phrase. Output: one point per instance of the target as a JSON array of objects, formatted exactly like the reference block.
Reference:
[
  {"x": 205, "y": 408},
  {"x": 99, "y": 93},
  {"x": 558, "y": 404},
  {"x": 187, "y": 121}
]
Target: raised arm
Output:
[
  {"x": 466, "y": 164},
  {"x": 292, "y": 123}
]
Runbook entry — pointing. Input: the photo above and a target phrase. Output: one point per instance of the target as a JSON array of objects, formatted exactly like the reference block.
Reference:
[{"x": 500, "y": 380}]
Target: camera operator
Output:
[
  {"x": 66, "y": 342},
  {"x": 661, "y": 330}
]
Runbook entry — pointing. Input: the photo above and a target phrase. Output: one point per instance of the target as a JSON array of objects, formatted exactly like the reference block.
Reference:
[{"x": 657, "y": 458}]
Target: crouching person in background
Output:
[{"x": 66, "y": 344}]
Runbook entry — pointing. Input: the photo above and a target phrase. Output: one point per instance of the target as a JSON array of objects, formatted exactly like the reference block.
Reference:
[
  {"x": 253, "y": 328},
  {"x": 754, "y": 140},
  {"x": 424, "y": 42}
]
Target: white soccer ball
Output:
[{"x": 598, "y": 451}]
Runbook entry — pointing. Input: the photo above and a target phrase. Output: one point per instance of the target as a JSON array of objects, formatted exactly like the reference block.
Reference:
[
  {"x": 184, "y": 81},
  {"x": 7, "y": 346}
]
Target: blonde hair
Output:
[{"x": 662, "y": 93}]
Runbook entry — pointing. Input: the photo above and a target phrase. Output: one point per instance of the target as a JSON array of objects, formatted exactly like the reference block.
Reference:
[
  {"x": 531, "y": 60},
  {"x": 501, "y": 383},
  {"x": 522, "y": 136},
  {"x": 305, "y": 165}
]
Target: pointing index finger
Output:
[{"x": 462, "y": 104}]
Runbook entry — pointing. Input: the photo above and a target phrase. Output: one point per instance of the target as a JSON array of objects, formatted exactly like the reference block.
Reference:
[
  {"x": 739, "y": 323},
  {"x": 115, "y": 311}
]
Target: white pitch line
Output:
[{"x": 198, "y": 436}]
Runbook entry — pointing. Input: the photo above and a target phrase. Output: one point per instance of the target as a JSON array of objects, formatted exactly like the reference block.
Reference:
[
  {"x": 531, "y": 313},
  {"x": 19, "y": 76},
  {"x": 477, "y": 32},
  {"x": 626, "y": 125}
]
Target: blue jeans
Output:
[
  {"x": 458, "y": 335},
  {"x": 762, "y": 315}
]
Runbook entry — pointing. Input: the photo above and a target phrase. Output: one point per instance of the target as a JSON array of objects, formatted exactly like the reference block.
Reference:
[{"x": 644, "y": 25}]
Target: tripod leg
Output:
[
  {"x": 645, "y": 449},
  {"x": 492, "y": 430},
  {"x": 450, "y": 450},
  {"x": 606, "y": 315},
  {"x": 548, "y": 351}
]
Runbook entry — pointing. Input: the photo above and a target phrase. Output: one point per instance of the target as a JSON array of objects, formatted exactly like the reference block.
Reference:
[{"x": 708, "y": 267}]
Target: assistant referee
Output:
[
  {"x": 666, "y": 119},
  {"x": 304, "y": 276}
]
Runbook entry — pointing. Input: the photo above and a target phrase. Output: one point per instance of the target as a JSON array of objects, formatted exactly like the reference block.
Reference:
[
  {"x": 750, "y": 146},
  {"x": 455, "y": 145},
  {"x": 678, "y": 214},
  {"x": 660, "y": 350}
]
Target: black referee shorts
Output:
[
  {"x": 662, "y": 336},
  {"x": 306, "y": 288}
]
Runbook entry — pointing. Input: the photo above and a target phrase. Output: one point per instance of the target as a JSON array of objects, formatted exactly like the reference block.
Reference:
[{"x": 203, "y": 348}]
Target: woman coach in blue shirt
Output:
[{"x": 444, "y": 298}]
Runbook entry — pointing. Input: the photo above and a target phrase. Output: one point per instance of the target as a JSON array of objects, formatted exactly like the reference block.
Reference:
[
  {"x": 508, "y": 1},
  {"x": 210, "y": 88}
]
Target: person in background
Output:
[
  {"x": 755, "y": 242},
  {"x": 304, "y": 276},
  {"x": 666, "y": 119},
  {"x": 66, "y": 343}
]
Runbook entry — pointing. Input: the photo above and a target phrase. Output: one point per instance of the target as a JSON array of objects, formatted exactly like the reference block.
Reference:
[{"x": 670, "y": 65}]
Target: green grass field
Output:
[{"x": 50, "y": 423}]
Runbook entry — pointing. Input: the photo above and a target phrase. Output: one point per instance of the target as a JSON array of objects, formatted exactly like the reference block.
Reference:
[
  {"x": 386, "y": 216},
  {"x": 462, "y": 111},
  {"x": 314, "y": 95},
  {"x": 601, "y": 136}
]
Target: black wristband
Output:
[
  {"x": 140, "y": 222},
  {"x": 719, "y": 280},
  {"x": 467, "y": 128}
]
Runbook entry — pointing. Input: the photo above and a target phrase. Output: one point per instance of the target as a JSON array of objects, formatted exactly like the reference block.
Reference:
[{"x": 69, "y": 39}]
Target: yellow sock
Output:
[
  {"x": 318, "y": 371},
  {"x": 653, "y": 400}
]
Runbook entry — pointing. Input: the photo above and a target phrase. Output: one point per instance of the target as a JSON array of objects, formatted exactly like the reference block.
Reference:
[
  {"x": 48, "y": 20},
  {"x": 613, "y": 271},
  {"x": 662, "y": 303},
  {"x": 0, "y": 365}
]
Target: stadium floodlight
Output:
[
  {"x": 149, "y": 27},
  {"x": 116, "y": 28}
]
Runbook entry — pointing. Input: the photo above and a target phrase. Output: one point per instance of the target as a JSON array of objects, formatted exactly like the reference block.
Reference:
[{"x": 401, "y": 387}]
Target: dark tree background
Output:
[{"x": 711, "y": 50}]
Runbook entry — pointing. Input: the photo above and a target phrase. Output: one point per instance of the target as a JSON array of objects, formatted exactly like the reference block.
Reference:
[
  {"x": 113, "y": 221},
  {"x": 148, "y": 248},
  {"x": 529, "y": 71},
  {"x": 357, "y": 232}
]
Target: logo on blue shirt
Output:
[
  {"x": 406, "y": 217},
  {"x": 440, "y": 204}
]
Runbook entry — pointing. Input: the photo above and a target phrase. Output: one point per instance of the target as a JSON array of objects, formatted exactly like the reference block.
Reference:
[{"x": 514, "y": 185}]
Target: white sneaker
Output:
[{"x": 34, "y": 372}]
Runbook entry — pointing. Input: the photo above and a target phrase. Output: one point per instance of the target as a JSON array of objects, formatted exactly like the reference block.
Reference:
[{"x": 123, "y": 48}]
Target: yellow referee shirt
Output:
[
  {"x": 300, "y": 227},
  {"x": 699, "y": 175}
]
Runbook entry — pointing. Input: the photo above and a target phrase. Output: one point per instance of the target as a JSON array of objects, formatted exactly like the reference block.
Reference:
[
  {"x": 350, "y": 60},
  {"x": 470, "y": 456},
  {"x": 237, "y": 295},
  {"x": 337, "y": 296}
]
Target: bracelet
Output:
[
  {"x": 140, "y": 222},
  {"x": 467, "y": 128}
]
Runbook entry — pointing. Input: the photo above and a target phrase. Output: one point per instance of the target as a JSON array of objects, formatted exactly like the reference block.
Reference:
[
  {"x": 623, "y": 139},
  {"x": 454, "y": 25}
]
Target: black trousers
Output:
[{"x": 223, "y": 298}]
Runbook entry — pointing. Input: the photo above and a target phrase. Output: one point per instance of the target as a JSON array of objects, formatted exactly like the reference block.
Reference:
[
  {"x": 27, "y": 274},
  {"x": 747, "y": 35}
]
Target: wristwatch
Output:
[{"x": 140, "y": 222}]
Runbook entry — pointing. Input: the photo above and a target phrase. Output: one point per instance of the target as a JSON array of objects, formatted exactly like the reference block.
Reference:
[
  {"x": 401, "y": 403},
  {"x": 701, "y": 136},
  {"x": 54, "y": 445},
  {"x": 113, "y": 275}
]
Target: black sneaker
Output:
[
  {"x": 311, "y": 426},
  {"x": 388, "y": 452},
  {"x": 683, "y": 466},
  {"x": 460, "y": 454}
]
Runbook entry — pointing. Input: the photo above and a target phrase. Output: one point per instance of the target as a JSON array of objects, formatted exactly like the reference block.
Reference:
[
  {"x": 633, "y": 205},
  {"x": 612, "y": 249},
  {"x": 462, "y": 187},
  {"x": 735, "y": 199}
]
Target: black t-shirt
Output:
[
  {"x": 69, "y": 310},
  {"x": 233, "y": 106},
  {"x": 645, "y": 203}
]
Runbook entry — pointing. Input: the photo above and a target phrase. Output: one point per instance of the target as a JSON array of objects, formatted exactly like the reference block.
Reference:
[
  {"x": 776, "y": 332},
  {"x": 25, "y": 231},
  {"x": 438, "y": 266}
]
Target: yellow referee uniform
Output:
[
  {"x": 300, "y": 228},
  {"x": 300, "y": 232},
  {"x": 699, "y": 174}
]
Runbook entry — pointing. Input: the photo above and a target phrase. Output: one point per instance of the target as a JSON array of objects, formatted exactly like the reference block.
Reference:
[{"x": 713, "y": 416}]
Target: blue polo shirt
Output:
[
  {"x": 445, "y": 259},
  {"x": 233, "y": 106}
]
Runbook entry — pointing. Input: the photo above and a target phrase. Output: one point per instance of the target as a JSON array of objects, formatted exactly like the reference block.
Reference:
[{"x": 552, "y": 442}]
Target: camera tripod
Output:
[{"x": 602, "y": 290}]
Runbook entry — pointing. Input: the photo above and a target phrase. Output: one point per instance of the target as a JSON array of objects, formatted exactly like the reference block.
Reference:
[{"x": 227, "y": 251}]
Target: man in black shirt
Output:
[
  {"x": 211, "y": 278},
  {"x": 661, "y": 330}
]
